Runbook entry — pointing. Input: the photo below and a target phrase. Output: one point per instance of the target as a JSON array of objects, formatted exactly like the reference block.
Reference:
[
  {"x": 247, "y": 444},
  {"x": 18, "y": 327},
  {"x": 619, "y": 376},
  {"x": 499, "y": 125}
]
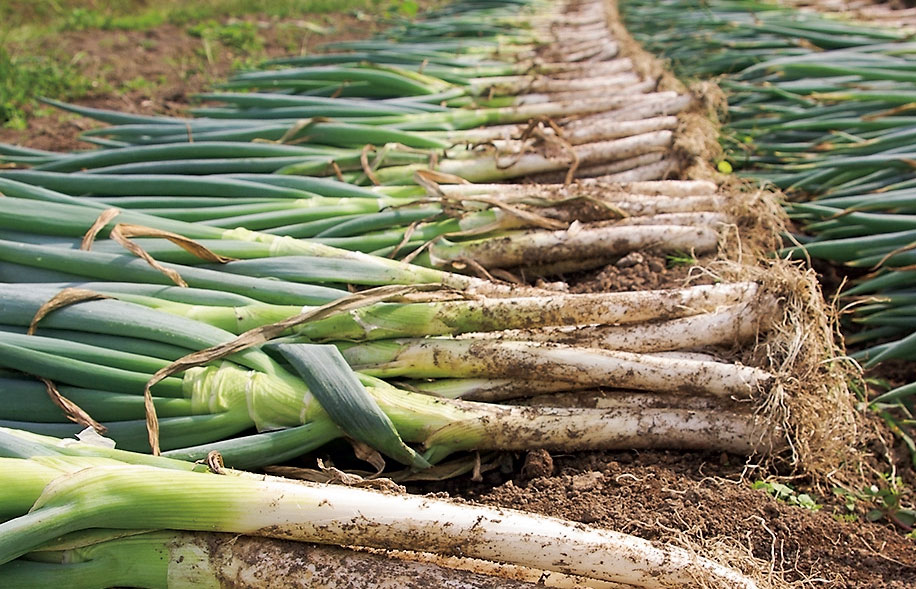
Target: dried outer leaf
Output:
[
  {"x": 431, "y": 179},
  {"x": 553, "y": 143},
  {"x": 367, "y": 169},
  {"x": 902, "y": 249},
  {"x": 346, "y": 400},
  {"x": 215, "y": 462},
  {"x": 141, "y": 253},
  {"x": 73, "y": 411},
  {"x": 123, "y": 231},
  {"x": 189, "y": 245},
  {"x": 298, "y": 127},
  {"x": 65, "y": 298},
  {"x": 404, "y": 240},
  {"x": 438, "y": 472},
  {"x": 103, "y": 219},
  {"x": 367, "y": 453},
  {"x": 531, "y": 219},
  {"x": 329, "y": 474}
]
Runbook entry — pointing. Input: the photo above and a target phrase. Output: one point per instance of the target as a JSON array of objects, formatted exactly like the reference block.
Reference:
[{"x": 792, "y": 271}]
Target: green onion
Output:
[{"x": 104, "y": 492}]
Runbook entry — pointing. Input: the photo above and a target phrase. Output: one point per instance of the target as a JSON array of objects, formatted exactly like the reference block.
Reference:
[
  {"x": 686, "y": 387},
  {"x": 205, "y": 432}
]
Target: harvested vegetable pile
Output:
[
  {"x": 899, "y": 14},
  {"x": 819, "y": 108},
  {"x": 328, "y": 251}
]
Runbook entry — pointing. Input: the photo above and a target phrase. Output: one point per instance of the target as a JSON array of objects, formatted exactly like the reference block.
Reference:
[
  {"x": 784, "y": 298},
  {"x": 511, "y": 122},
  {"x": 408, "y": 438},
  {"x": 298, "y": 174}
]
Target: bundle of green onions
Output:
[
  {"x": 888, "y": 14},
  {"x": 80, "y": 348},
  {"x": 245, "y": 271},
  {"x": 40, "y": 239},
  {"x": 79, "y": 515},
  {"x": 819, "y": 107},
  {"x": 537, "y": 232}
]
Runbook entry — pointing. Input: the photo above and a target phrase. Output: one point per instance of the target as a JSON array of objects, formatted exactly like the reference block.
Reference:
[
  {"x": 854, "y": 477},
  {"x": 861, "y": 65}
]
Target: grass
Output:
[
  {"x": 36, "y": 17},
  {"x": 240, "y": 36},
  {"x": 680, "y": 258},
  {"x": 884, "y": 504},
  {"x": 23, "y": 77},
  {"x": 786, "y": 494},
  {"x": 27, "y": 71}
]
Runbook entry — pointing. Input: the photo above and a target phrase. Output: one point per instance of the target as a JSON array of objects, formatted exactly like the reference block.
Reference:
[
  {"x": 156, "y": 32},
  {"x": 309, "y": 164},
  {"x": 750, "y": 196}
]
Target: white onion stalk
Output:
[
  {"x": 598, "y": 50},
  {"x": 531, "y": 577},
  {"x": 654, "y": 171},
  {"x": 672, "y": 188},
  {"x": 490, "y": 389},
  {"x": 543, "y": 393},
  {"x": 695, "y": 219},
  {"x": 445, "y": 358},
  {"x": 443, "y": 426},
  {"x": 474, "y": 166},
  {"x": 600, "y": 130},
  {"x": 736, "y": 324},
  {"x": 611, "y": 169},
  {"x": 562, "y": 69},
  {"x": 200, "y": 560},
  {"x": 519, "y": 84},
  {"x": 451, "y": 317},
  {"x": 629, "y": 400},
  {"x": 651, "y": 108},
  {"x": 632, "y": 91},
  {"x": 642, "y": 205},
  {"x": 592, "y": 243},
  {"x": 567, "y": 429}
]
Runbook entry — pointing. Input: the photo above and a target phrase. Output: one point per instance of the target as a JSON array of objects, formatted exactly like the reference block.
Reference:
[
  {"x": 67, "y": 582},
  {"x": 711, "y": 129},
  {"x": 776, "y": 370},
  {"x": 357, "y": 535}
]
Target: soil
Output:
[
  {"x": 696, "y": 498},
  {"x": 641, "y": 271}
]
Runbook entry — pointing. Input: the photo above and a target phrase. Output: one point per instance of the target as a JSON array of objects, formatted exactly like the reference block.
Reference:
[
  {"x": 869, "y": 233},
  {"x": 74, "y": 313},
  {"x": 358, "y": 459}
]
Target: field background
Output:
[{"x": 151, "y": 57}]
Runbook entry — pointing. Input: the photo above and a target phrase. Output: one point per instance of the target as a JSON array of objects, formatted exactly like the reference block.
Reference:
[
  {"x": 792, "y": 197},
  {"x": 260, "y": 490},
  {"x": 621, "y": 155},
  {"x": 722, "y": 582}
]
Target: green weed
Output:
[
  {"x": 884, "y": 503},
  {"x": 81, "y": 19},
  {"x": 191, "y": 12},
  {"x": 141, "y": 83},
  {"x": 407, "y": 8},
  {"x": 239, "y": 35},
  {"x": 787, "y": 494},
  {"x": 42, "y": 17},
  {"x": 680, "y": 259},
  {"x": 887, "y": 504},
  {"x": 24, "y": 77}
]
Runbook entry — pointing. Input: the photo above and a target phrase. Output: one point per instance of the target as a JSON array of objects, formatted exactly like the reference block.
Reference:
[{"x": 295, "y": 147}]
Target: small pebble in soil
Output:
[
  {"x": 631, "y": 259},
  {"x": 586, "y": 481}
]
